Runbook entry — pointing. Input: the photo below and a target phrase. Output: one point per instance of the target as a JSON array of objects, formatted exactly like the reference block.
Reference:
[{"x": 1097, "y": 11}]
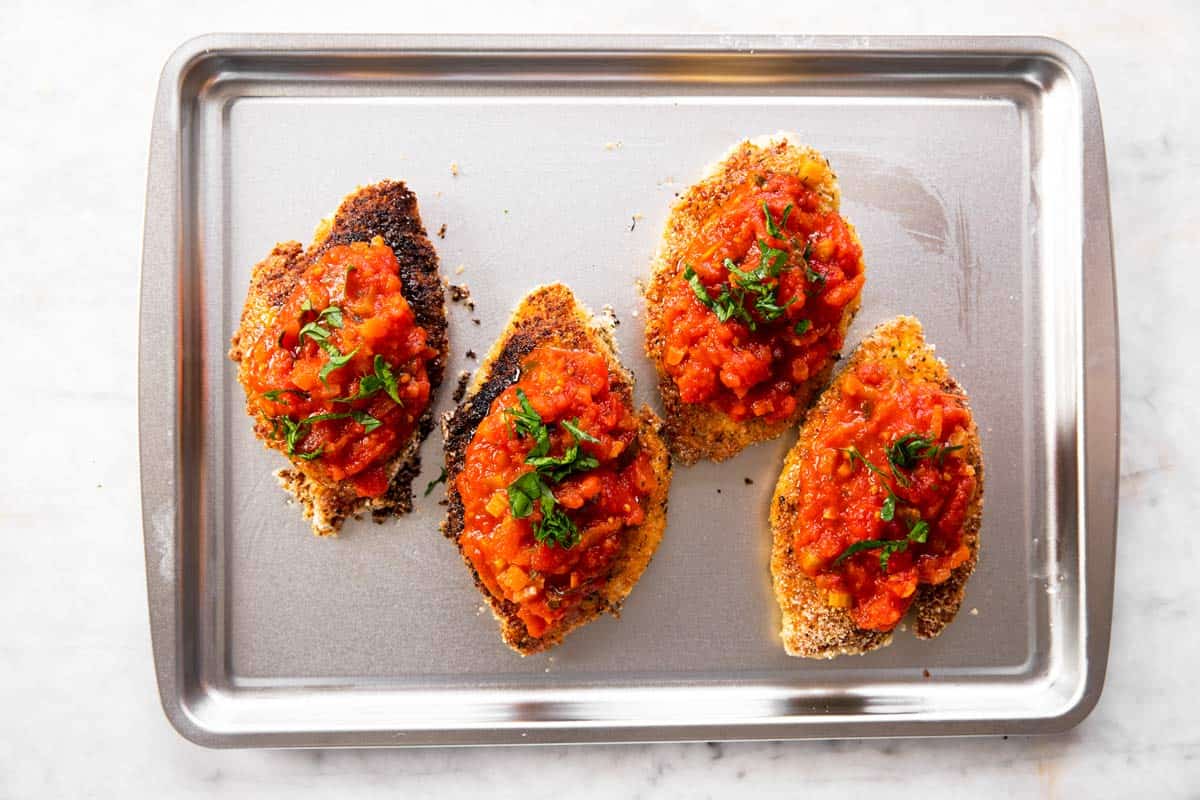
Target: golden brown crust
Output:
[
  {"x": 693, "y": 431},
  {"x": 387, "y": 209},
  {"x": 811, "y": 628},
  {"x": 550, "y": 315}
]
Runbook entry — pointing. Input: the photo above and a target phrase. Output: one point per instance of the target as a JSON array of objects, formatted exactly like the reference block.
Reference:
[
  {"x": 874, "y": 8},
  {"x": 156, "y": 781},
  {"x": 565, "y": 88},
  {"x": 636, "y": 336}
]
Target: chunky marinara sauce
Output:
[
  {"x": 754, "y": 373},
  {"x": 350, "y": 306},
  {"x": 842, "y": 498},
  {"x": 545, "y": 579}
]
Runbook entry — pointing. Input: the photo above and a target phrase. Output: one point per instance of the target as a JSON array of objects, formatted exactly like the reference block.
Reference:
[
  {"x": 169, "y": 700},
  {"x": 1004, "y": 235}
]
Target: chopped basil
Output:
[
  {"x": 318, "y": 333},
  {"x": 573, "y": 426},
  {"x": 559, "y": 467},
  {"x": 773, "y": 229},
  {"x": 523, "y": 492},
  {"x": 557, "y": 528},
  {"x": 802, "y": 327},
  {"x": 693, "y": 279},
  {"x": 910, "y": 448},
  {"x": 439, "y": 479},
  {"x": 529, "y": 423},
  {"x": 275, "y": 394},
  {"x": 294, "y": 431},
  {"x": 812, "y": 276},
  {"x": 332, "y": 315},
  {"x": 917, "y": 532},
  {"x": 336, "y": 360},
  {"x": 554, "y": 528},
  {"x": 314, "y": 331},
  {"x": 368, "y": 422},
  {"x": 888, "y": 511},
  {"x": 756, "y": 287},
  {"x": 382, "y": 379}
]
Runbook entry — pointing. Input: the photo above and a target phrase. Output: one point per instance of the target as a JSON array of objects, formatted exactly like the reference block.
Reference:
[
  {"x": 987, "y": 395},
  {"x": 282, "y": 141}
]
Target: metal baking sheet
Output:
[{"x": 974, "y": 170}]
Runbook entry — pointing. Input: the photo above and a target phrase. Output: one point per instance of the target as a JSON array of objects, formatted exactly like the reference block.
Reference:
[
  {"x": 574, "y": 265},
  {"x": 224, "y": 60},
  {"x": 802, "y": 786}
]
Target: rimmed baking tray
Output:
[{"x": 974, "y": 170}]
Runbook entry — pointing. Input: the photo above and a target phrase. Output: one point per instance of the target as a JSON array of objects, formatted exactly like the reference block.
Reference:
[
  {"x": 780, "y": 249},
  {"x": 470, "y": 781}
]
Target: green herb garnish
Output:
[
  {"x": 757, "y": 287},
  {"x": 525, "y": 491},
  {"x": 294, "y": 431},
  {"x": 910, "y": 448},
  {"x": 275, "y": 394},
  {"x": 557, "y": 528},
  {"x": 776, "y": 230},
  {"x": 888, "y": 511},
  {"x": 336, "y": 360},
  {"x": 439, "y": 479},
  {"x": 382, "y": 379},
  {"x": 529, "y": 423},
  {"x": 318, "y": 333},
  {"x": 723, "y": 305},
  {"x": 533, "y": 487},
  {"x": 812, "y": 276},
  {"x": 917, "y": 532},
  {"x": 579, "y": 433},
  {"x": 802, "y": 327}
]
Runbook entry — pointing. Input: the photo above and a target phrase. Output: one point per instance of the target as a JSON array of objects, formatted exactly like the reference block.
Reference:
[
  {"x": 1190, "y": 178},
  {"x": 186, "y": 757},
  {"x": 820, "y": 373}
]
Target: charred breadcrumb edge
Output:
[
  {"x": 387, "y": 209},
  {"x": 811, "y": 628},
  {"x": 551, "y": 315},
  {"x": 696, "y": 432}
]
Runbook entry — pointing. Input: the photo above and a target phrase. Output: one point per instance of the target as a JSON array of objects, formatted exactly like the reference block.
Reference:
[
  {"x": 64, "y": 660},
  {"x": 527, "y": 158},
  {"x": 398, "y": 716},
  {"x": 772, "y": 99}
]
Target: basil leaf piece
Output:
[
  {"x": 523, "y": 491},
  {"x": 439, "y": 479},
  {"x": 382, "y": 379},
  {"x": 693, "y": 279},
  {"x": 910, "y": 448},
  {"x": 314, "y": 331},
  {"x": 919, "y": 532},
  {"x": 802, "y": 327},
  {"x": 557, "y": 529},
  {"x": 577, "y": 432},
  {"x": 275, "y": 394},
  {"x": 336, "y": 360},
  {"x": 813, "y": 277},
  {"x": 368, "y": 422},
  {"x": 888, "y": 510},
  {"x": 529, "y": 423},
  {"x": 776, "y": 230},
  {"x": 332, "y": 315}
]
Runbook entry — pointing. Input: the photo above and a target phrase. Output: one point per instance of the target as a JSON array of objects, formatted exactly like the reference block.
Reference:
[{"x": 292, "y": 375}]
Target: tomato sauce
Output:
[
  {"x": 344, "y": 344},
  {"x": 752, "y": 368},
  {"x": 547, "y": 580},
  {"x": 842, "y": 498}
]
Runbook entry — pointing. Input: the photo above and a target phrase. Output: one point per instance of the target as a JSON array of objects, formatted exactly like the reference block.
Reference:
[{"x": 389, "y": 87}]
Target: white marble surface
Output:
[{"x": 79, "y": 714}]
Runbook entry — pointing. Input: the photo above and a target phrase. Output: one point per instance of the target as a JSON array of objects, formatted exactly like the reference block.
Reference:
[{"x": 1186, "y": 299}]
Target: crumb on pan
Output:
[{"x": 460, "y": 390}]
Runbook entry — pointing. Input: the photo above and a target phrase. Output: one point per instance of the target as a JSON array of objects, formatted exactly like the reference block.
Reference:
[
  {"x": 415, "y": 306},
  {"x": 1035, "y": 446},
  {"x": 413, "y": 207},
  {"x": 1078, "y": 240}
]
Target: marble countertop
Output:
[{"x": 80, "y": 713}]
